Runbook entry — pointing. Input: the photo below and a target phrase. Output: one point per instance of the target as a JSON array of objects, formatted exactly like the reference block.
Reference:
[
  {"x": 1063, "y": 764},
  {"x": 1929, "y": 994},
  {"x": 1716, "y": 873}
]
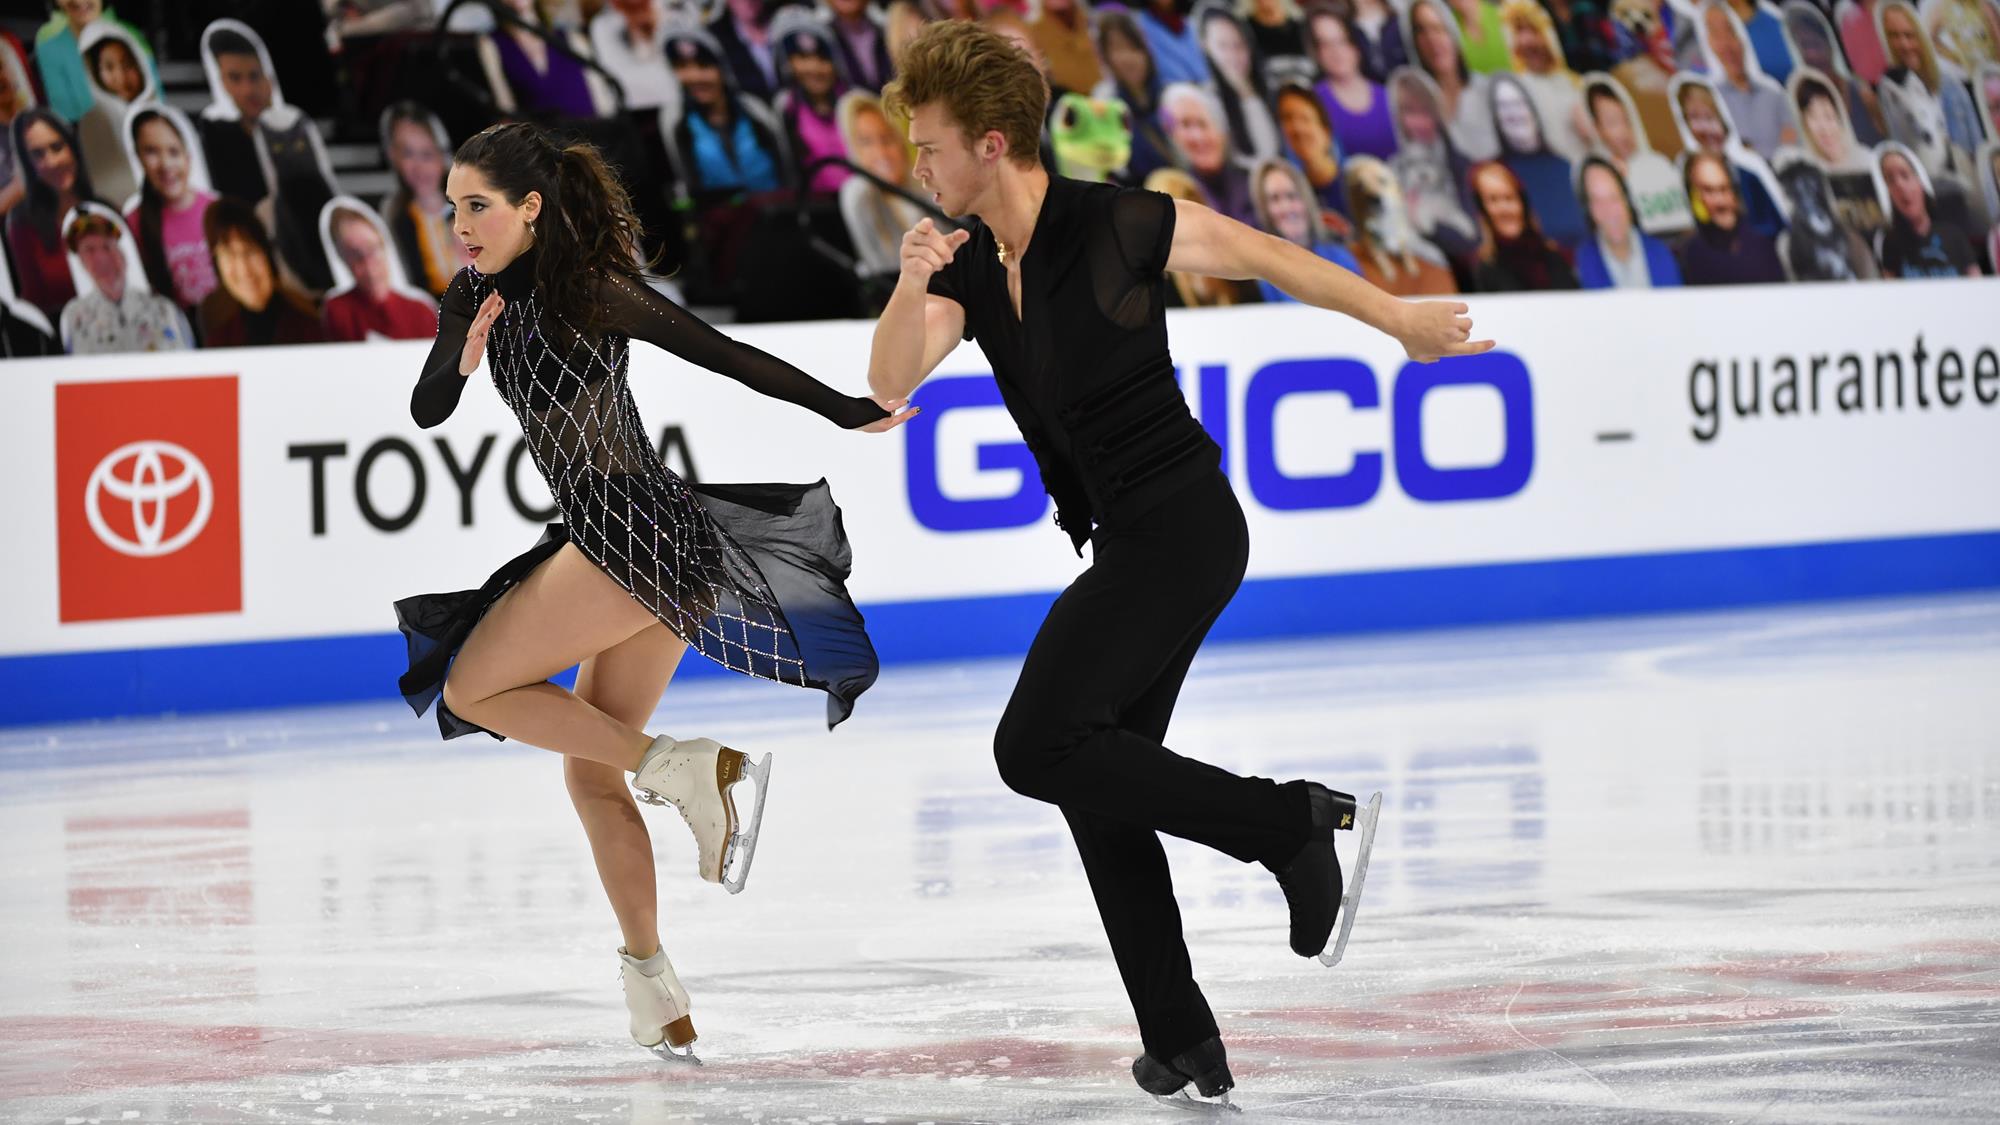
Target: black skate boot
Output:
[
  {"x": 1311, "y": 880},
  {"x": 1205, "y": 1064}
]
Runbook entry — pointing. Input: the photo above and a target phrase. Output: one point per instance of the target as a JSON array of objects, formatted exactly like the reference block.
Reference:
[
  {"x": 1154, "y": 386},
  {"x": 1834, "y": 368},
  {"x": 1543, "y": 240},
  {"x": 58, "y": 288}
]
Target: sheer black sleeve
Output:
[
  {"x": 642, "y": 314},
  {"x": 437, "y": 391},
  {"x": 1143, "y": 222}
]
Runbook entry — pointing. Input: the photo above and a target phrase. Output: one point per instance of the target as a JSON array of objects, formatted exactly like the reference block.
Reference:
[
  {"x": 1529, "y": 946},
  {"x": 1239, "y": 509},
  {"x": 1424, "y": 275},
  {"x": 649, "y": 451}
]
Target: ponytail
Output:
[
  {"x": 593, "y": 231},
  {"x": 587, "y": 227}
]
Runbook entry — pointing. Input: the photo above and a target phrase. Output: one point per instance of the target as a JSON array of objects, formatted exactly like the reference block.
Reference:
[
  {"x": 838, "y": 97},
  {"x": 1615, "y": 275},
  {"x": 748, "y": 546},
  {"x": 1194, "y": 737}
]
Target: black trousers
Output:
[{"x": 1084, "y": 731}]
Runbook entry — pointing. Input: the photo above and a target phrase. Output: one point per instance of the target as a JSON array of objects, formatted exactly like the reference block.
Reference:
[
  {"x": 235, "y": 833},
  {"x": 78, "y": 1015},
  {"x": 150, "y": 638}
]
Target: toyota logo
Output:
[{"x": 138, "y": 473}]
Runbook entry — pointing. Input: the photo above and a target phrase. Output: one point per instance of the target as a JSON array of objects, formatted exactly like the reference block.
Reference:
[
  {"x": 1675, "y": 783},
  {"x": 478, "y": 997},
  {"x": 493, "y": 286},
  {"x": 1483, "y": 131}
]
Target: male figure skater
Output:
[{"x": 1061, "y": 282}]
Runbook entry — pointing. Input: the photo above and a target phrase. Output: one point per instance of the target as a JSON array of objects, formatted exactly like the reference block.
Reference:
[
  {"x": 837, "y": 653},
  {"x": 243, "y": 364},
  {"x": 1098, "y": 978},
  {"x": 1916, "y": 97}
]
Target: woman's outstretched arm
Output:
[{"x": 643, "y": 314}]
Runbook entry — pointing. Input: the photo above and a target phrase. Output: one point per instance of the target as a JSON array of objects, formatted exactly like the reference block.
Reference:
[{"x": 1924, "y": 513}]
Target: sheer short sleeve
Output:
[
  {"x": 949, "y": 283},
  {"x": 1143, "y": 222},
  {"x": 440, "y": 386}
]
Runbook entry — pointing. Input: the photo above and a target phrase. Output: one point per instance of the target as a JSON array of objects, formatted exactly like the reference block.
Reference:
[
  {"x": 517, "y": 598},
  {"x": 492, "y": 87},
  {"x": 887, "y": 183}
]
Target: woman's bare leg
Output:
[
  {"x": 625, "y": 682},
  {"x": 564, "y": 612}
]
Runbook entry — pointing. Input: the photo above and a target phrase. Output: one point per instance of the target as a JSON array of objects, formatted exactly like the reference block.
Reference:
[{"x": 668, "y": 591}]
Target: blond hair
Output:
[{"x": 985, "y": 82}]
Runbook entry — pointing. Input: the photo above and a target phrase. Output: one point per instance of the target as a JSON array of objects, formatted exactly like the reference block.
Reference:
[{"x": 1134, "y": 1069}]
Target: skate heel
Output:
[{"x": 680, "y": 1033}]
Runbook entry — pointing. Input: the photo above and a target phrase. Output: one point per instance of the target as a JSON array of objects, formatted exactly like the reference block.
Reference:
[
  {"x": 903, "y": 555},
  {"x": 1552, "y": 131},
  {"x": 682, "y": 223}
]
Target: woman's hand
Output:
[
  {"x": 475, "y": 335},
  {"x": 1432, "y": 330},
  {"x": 900, "y": 411}
]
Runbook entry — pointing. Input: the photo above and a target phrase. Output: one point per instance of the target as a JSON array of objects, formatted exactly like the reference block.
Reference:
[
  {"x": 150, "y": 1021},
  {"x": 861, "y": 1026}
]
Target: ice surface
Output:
[{"x": 1730, "y": 866}]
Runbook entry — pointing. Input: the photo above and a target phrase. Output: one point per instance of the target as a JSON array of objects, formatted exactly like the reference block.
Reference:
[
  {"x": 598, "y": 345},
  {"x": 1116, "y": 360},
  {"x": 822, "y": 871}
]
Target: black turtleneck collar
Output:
[{"x": 518, "y": 279}]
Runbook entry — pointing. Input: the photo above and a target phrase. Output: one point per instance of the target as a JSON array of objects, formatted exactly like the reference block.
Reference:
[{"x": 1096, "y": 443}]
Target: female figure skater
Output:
[
  {"x": 644, "y": 564},
  {"x": 1062, "y": 284}
]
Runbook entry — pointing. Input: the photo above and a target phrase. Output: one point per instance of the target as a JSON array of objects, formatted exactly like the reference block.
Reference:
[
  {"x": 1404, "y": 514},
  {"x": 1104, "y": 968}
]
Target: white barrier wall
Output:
[{"x": 1607, "y": 426}]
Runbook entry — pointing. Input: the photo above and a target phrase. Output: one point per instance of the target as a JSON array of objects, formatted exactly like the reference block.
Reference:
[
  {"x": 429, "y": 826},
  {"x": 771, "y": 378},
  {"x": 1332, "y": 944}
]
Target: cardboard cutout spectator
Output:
[
  {"x": 1831, "y": 144},
  {"x": 1917, "y": 243},
  {"x": 1132, "y": 78},
  {"x": 629, "y": 40},
  {"x": 1378, "y": 29},
  {"x": 1618, "y": 254},
  {"x": 1061, "y": 31},
  {"x": 55, "y": 180},
  {"x": 1650, "y": 179},
  {"x": 17, "y": 94},
  {"x": 1194, "y": 291},
  {"x": 528, "y": 73},
  {"x": 24, "y": 331},
  {"x": 876, "y": 220},
  {"x": 1482, "y": 36},
  {"x": 59, "y": 55},
  {"x": 371, "y": 299},
  {"x": 1758, "y": 23},
  {"x": 1174, "y": 40},
  {"x": 1468, "y": 106},
  {"x": 1861, "y": 39},
  {"x": 1705, "y": 127},
  {"x": 419, "y": 157},
  {"x": 1966, "y": 33},
  {"x": 1308, "y": 134},
  {"x": 1514, "y": 254},
  {"x": 252, "y": 306},
  {"x": 1812, "y": 41},
  {"x": 812, "y": 86},
  {"x": 1724, "y": 249},
  {"x": 1817, "y": 246},
  {"x": 861, "y": 42},
  {"x": 1756, "y": 104},
  {"x": 726, "y": 143},
  {"x": 742, "y": 32},
  {"x": 1286, "y": 207},
  {"x": 1276, "y": 28},
  {"x": 1548, "y": 179},
  {"x": 1194, "y": 122},
  {"x": 1434, "y": 175},
  {"x": 1357, "y": 105},
  {"x": 1645, "y": 68},
  {"x": 119, "y": 79},
  {"x": 1913, "y": 67},
  {"x": 114, "y": 310},
  {"x": 1393, "y": 256},
  {"x": 1918, "y": 121},
  {"x": 261, "y": 148},
  {"x": 165, "y": 216},
  {"x": 1541, "y": 70},
  {"x": 1239, "y": 82}
]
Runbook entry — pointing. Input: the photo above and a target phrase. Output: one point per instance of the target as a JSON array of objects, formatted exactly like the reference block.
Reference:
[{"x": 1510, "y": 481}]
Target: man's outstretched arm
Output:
[{"x": 1215, "y": 245}]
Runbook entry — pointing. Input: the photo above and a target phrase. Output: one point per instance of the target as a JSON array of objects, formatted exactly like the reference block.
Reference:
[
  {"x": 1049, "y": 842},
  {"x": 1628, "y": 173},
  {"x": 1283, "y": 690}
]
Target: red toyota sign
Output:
[{"x": 148, "y": 518}]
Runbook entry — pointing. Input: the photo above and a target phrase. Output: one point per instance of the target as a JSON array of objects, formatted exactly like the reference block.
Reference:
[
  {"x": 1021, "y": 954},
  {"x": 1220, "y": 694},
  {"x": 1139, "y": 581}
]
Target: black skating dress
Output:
[{"x": 750, "y": 576}]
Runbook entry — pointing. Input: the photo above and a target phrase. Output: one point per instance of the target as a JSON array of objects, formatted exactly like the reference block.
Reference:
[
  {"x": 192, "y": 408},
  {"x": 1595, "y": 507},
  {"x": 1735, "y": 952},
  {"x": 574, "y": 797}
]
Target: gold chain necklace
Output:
[{"x": 1001, "y": 250}]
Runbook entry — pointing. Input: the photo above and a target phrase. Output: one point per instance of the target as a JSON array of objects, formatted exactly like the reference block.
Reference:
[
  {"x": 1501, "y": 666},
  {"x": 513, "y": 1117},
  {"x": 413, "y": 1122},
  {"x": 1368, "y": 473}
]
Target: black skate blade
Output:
[{"x": 1184, "y": 1100}]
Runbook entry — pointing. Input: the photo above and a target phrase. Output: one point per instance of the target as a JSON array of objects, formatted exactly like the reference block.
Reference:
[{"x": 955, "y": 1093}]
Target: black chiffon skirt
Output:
[{"x": 791, "y": 534}]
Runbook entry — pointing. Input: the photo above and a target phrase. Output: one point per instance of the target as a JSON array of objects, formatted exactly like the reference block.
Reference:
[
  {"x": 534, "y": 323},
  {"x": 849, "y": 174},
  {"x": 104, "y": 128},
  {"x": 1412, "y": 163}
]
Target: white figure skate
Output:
[
  {"x": 659, "y": 1007},
  {"x": 1350, "y": 899},
  {"x": 695, "y": 777}
]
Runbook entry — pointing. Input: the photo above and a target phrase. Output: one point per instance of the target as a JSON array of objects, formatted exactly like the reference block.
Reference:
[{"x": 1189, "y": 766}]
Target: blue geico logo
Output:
[{"x": 1268, "y": 484}]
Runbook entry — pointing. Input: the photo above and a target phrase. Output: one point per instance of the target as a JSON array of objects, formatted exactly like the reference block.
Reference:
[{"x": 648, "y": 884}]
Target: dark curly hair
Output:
[{"x": 588, "y": 228}]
